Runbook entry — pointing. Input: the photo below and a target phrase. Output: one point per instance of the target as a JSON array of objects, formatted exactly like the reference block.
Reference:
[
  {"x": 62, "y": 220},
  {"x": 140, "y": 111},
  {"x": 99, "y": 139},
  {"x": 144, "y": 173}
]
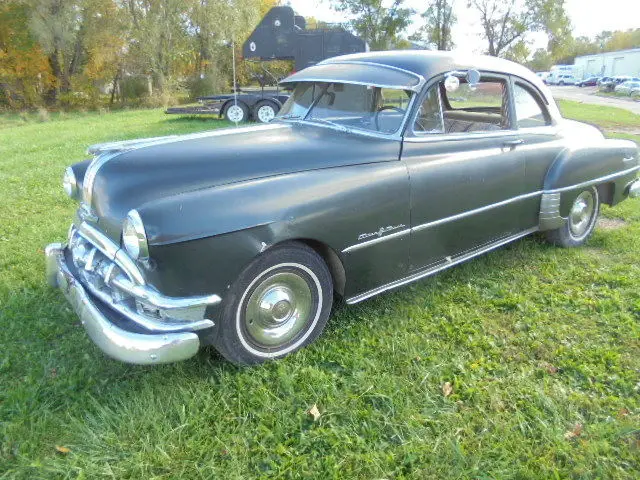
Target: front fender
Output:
[{"x": 200, "y": 241}]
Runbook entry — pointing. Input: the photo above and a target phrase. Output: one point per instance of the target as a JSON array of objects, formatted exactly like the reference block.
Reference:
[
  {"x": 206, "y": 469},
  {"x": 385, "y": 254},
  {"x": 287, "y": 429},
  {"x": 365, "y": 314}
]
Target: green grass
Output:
[
  {"x": 607, "y": 118},
  {"x": 538, "y": 342}
]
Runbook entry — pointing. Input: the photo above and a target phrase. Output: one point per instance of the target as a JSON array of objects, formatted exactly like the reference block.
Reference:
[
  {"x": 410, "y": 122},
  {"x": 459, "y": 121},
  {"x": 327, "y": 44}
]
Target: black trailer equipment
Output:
[{"x": 281, "y": 35}]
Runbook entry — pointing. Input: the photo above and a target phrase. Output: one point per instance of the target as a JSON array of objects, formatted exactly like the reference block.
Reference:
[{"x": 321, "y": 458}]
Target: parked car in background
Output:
[
  {"x": 611, "y": 85},
  {"x": 543, "y": 76},
  {"x": 604, "y": 80},
  {"x": 381, "y": 169},
  {"x": 628, "y": 87},
  {"x": 589, "y": 82},
  {"x": 562, "y": 80}
]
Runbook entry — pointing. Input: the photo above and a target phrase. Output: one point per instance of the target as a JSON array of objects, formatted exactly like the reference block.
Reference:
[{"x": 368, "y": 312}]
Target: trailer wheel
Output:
[
  {"x": 266, "y": 111},
  {"x": 236, "y": 113}
]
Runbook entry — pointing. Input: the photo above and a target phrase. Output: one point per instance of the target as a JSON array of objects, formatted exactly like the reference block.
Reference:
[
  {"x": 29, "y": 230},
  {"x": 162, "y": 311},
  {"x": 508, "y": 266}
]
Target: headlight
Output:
[
  {"x": 134, "y": 237},
  {"x": 69, "y": 183}
]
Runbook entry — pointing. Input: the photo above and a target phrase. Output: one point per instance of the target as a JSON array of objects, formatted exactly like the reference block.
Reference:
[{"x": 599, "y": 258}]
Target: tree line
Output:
[
  {"x": 86, "y": 53},
  {"x": 81, "y": 52}
]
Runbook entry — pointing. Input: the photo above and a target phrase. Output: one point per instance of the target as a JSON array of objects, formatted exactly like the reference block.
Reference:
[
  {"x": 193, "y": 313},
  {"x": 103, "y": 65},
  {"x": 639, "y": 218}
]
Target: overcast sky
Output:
[{"x": 589, "y": 17}]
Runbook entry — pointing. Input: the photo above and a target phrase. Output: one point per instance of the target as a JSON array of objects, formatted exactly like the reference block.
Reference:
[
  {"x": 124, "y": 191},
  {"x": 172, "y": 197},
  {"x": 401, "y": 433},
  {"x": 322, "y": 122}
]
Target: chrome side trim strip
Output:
[
  {"x": 468, "y": 213},
  {"x": 162, "y": 302},
  {"x": 547, "y": 208},
  {"x": 116, "y": 147},
  {"x": 431, "y": 271},
  {"x": 375, "y": 241},
  {"x": 593, "y": 182}
]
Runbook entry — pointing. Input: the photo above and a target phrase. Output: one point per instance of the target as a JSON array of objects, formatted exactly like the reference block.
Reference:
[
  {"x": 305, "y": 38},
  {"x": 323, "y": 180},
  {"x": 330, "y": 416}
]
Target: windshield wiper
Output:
[{"x": 342, "y": 128}]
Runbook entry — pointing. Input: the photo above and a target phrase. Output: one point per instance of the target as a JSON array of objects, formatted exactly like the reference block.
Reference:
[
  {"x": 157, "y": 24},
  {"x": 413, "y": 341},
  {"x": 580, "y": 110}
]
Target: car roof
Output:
[{"x": 430, "y": 63}]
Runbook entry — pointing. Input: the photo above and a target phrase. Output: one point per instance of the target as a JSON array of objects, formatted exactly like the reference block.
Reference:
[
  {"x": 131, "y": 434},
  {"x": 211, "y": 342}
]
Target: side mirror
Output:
[{"x": 473, "y": 77}]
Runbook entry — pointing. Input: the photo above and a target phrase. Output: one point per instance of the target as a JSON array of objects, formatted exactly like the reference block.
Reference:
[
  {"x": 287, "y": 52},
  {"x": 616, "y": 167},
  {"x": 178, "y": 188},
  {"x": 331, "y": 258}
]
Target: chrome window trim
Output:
[
  {"x": 415, "y": 117},
  {"x": 417, "y": 88},
  {"x": 534, "y": 92},
  {"x": 438, "y": 268},
  {"x": 352, "y": 82},
  {"x": 397, "y": 135}
]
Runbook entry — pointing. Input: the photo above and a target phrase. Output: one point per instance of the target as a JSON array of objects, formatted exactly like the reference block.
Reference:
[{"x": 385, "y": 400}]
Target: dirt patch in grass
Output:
[{"x": 611, "y": 223}]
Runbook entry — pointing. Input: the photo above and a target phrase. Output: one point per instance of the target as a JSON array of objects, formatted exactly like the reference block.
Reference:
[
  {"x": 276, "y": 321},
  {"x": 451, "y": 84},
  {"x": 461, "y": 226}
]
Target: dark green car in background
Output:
[{"x": 381, "y": 169}]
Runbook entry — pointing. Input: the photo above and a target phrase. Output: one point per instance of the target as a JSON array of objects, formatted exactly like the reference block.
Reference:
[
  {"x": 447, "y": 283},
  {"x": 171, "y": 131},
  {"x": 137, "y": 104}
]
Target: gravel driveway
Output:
[{"x": 587, "y": 95}]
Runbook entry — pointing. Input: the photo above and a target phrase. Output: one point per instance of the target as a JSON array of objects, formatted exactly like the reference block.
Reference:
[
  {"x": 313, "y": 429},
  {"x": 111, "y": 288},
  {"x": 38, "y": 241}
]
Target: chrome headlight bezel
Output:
[
  {"x": 134, "y": 236},
  {"x": 70, "y": 183}
]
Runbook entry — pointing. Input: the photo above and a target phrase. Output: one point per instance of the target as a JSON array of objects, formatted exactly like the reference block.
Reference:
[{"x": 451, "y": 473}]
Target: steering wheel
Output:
[{"x": 382, "y": 109}]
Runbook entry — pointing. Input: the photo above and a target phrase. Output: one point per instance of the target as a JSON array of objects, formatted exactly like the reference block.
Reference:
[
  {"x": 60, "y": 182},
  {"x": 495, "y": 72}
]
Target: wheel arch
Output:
[{"x": 331, "y": 259}]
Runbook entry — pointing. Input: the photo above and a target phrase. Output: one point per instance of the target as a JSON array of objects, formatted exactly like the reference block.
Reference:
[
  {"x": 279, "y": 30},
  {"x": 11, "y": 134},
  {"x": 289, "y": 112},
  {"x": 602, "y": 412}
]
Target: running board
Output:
[{"x": 440, "y": 267}]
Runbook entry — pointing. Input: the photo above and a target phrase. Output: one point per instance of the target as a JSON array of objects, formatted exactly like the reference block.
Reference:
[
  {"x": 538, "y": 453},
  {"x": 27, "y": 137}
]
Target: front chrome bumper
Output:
[{"x": 163, "y": 343}]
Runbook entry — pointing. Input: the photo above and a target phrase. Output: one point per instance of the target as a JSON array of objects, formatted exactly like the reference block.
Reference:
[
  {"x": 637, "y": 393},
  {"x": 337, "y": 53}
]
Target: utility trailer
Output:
[{"x": 281, "y": 35}]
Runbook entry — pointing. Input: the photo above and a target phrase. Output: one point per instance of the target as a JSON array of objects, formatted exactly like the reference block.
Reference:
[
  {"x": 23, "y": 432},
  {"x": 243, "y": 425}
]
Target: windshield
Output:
[{"x": 347, "y": 105}]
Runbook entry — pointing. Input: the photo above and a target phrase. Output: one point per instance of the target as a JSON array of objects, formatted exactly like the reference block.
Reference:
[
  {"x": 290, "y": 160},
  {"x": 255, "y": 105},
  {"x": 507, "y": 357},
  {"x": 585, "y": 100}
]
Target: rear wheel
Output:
[
  {"x": 581, "y": 223},
  {"x": 236, "y": 112},
  {"x": 279, "y": 304},
  {"x": 266, "y": 111}
]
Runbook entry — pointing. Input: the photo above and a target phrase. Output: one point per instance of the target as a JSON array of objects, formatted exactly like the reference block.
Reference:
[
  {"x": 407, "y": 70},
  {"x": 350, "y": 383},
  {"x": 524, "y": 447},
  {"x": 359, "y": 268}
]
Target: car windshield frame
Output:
[{"x": 305, "y": 115}]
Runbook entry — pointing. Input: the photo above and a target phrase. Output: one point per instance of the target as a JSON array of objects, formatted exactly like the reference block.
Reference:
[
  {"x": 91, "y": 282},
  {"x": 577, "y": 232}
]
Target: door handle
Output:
[{"x": 513, "y": 143}]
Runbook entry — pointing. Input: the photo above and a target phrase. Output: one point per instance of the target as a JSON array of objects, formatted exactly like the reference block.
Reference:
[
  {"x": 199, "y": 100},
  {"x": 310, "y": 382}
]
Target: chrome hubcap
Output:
[
  {"x": 581, "y": 214},
  {"x": 278, "y": 309},
  {"x": 235, "y": 113},
  {"x": 266, "y": 114}
]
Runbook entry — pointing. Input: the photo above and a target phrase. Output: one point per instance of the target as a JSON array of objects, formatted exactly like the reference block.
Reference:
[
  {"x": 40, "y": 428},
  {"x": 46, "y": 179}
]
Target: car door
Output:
[
  {"x": 466, "y": 170},
  {"x": 541, "y": 145}
]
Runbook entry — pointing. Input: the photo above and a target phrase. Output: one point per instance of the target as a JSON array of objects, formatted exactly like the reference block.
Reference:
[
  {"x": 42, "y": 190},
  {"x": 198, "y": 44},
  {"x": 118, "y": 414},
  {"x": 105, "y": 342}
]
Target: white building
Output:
[{"x": 609, "y": 64}]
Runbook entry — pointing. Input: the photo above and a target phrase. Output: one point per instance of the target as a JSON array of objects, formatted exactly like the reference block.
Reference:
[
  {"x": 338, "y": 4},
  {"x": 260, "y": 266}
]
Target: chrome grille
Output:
[{"x": 108, "y": 273}]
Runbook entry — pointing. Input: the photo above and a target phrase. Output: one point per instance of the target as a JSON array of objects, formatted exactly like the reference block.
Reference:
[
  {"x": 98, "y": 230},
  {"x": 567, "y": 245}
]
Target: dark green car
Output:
[{"x": 381, "y": 169}]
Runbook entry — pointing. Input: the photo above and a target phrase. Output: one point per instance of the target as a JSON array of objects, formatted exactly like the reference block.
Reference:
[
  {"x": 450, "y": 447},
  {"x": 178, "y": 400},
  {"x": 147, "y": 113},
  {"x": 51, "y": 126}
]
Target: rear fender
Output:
[{"x": 609, "y": 165}]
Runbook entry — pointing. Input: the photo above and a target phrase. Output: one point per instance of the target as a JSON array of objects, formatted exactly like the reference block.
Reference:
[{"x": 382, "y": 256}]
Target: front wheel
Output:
[
  {"x": 236, "y": 112},
  {"x": 581, "y": 223},
  {"x": 279, "y": 304}
]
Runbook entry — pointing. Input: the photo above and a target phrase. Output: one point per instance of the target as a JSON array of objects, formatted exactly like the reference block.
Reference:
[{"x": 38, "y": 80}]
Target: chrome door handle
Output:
[{"x": 513, "y": 143}]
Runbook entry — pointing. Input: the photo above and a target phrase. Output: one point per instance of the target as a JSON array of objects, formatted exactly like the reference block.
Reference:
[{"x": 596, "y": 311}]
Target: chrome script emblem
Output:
[{"x": 380, "y": 232}]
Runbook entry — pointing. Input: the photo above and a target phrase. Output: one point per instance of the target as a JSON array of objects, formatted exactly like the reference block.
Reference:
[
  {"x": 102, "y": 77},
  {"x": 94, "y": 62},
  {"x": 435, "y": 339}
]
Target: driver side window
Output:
[{"x": 457, "y": 107}]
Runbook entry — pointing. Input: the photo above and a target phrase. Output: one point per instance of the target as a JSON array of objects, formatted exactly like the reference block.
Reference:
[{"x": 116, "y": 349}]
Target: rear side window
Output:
[{"x": 529, "y": 110}]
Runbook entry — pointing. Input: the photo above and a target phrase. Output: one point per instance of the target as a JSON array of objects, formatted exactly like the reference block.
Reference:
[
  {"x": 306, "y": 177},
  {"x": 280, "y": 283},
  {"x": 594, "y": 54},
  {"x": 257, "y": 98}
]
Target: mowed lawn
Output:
[{"x": 541, "y": 348}]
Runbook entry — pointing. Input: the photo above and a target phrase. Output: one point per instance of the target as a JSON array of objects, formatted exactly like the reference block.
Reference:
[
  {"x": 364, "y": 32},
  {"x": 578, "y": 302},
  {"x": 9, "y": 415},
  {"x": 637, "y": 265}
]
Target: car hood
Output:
[{"x": 127, "y": 175}]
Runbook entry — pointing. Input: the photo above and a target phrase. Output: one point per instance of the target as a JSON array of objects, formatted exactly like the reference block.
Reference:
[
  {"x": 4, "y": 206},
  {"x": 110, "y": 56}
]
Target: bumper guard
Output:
[{"x": 123, "y": 345}]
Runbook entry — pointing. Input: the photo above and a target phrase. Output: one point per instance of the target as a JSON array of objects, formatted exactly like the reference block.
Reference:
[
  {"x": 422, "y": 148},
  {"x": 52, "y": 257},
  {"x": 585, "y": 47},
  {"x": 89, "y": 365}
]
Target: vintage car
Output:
[{"x": 380, "y": 170}]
